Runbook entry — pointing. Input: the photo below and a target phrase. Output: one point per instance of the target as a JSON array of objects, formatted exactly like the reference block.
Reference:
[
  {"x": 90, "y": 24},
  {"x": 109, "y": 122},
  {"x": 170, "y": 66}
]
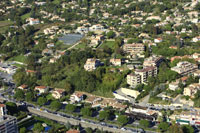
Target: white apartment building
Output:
[
  {"x": 146, "y": 72},
  {"x": 152, "y": 61},
  {"x": 185, "y": 68},
  {"x": 133, "y": 79},
  {"x": 141, "y": 76},
  {"x": 134, "y": 48}
]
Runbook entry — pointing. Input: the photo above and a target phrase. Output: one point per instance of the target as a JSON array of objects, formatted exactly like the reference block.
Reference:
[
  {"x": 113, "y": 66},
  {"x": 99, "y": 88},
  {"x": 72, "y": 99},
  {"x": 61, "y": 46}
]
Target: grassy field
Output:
[
  {"x": 56, "y": 1},
  {"x": 4, "y": 25},
  {"x": 110, "y": 44},
  {"x": 25, "y": 16},
  {"x": 81, "y": 45},
  {"x": 20, "y": 58}
]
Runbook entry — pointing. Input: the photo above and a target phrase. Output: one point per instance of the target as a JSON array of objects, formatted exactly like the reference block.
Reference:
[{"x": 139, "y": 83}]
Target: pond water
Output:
[{"x": 70, "y": 38}]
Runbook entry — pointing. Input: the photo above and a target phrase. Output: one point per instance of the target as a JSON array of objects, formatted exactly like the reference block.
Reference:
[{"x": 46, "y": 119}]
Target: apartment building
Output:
[
  {"x": 141, "y": 76},
  {"x": 91, "y": 64},
  {"x": 191, "y": 90},
  {"x": 153, "y": 61},
  {"x": 134, "y": 48},
  {"x": 146, "y": 72},
  {"x": 185, "y": 68},
  {"x": 133, "y": 80},
  {"x": 8, "y": 124}
]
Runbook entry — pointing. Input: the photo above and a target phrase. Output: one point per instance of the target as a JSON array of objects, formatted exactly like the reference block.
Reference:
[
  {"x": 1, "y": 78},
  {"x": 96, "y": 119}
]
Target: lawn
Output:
[
  {"x": 81, "y": 45},
  {"x": 110, "y": 44},
  {"x": 4, "y": 25},
  {"x": 20, "y": 58},
  {"x": 56, "y": 1},
  {"x": 25, "y": 16}
]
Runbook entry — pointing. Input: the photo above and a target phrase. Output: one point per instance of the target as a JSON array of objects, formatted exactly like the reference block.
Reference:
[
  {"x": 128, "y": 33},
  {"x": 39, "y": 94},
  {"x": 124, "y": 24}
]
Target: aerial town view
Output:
[{"x": 99, "y": 66}]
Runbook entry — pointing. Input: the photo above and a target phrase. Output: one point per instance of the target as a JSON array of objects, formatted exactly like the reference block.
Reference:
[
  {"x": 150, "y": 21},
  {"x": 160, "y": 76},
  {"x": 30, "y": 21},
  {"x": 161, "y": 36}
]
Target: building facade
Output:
[
  {"x": 91, "y": 64},
  {"x": 152, "y": 61},
  {"x": 185, "y": 68},
  {"x": 135, "y": 48}
]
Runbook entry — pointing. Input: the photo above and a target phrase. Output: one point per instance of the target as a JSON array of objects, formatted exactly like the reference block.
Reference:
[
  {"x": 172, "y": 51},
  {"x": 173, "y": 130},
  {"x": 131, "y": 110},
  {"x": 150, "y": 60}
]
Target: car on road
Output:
[
  {"x": 103, "y": 123},
  {"x": 123, "y": 129},
  {"x": 115, "y": 127}
]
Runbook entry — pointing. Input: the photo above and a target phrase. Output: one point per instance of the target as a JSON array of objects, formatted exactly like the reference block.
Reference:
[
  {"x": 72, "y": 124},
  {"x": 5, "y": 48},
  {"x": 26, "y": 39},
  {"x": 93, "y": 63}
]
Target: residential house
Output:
[
  {"x": 96, "y": 27},
  {"x": 77, "y": 97},
  {"x": 33, "y": 21},
  {"x": 153, "y": 17},
  {"x": 58, "y": 93},
  {"x": 52, "y": 60},
  {"x": 23, "y": 87},
  {"x": 91, "y": 64},
  {"x": 174, "y": 85},
  {"x": 82, "y": 29},
  {"x": 42, "y": 89},
  {"x": 158, "y": 40},
  {"x": 197, "y": 73},
  {"x": 50, "y": 45},
  {"x": 73, "y": 131},
  {"x": 196, "y": 55},
  {"x": 191, "y": 90},
  {"x": 47, "y": 52},
  {"x": 185, "y": 68},
  {"x": 31, "y": 72},
  {"x": 196, "y": 39},
  {"x": 116, "y": 62}
]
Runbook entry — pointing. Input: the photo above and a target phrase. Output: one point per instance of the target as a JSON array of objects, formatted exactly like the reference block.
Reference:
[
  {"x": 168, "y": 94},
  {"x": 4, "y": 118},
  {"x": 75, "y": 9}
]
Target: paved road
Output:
[
  {"x": 131, "y": 100},
  {"x": 6, "y": 76},
  {"x": 73, "y": 121},
  {"x": 144, "y": 101}
]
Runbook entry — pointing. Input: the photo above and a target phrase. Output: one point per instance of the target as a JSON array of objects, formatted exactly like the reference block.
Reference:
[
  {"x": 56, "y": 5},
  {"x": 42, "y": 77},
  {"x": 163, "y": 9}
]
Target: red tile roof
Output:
[{"x": 73, "y": 131}]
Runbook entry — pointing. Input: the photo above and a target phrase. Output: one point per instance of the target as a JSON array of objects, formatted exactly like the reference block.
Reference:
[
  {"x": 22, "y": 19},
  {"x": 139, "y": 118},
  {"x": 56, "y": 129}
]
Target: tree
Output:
[
  {"x": 38, "y": 127},
  {"x": 110, "y": 34},
  {"x": 19, "y": 95},
  {"x": 174, "y": 128},
  {"x": 68, "y": 87},
  {"x": 22, "y": 130},
  {"x": 187, "y": 129},
  {"x": 29, "y": 96},
  {"x": 86, "y": 111},
  {"x": 55, "y": 105},
  {"x": 2, "y": 38},
  {"x": 122, "y": 119},
  {"x": 104, "y": 115},
  {"x": 144, "y": 123},
  {"x": 88, "y": 130},
  {"x": 41, "y": 101},
  {"x": 70, "y": 107},
  {"x": 163, "y": 126},
  {"x": 11, "y": 107}
]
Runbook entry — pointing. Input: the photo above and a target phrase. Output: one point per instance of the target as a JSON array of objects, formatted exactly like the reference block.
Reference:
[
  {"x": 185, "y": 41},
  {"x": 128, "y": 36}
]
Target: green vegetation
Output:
[
  {"x": 122, "y": 119},
  {"x": 25, "y": 16},
  {"x": 19, "y": 58},
  {"x": 144, "y": 123},
  {"x": 109, "y": 44}
]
